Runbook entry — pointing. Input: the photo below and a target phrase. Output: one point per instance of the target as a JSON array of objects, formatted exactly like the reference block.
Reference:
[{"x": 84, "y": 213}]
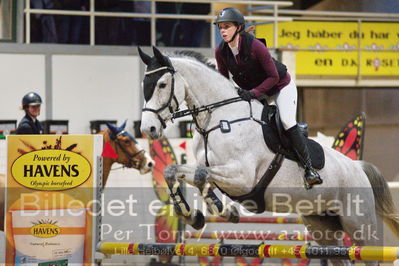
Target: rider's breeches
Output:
[{"x": 286, "y": 101}]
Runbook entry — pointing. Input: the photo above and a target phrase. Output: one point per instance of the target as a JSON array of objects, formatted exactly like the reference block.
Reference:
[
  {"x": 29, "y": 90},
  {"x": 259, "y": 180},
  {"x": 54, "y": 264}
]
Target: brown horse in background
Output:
[{"x": 127, "y": 152}]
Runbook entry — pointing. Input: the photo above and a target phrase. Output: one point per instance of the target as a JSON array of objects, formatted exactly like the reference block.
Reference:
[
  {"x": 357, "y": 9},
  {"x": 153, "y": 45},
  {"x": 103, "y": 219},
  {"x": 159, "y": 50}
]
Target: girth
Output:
[{"x": 254, "y": 201}]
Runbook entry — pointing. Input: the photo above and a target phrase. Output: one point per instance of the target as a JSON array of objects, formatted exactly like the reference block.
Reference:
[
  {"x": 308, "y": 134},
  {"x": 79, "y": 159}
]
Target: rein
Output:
[
  {"x": 209, "y": 108},
  {"x": 176, "y": 113}
]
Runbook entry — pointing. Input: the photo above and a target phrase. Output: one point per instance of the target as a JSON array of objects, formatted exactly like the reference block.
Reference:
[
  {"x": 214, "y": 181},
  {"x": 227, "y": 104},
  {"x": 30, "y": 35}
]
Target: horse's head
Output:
[
  {"x": 161, "y": 93},
  {"x": 128, "y": 150}
]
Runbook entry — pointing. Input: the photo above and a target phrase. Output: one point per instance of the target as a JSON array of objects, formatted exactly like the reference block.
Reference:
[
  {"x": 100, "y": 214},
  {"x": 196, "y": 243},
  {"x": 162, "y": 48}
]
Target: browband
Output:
[{"x": 156, "y": 70}]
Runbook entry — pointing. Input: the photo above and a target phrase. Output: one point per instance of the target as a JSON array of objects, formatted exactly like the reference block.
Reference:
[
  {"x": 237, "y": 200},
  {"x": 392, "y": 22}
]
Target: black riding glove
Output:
[{"x": 246, "y": 95}]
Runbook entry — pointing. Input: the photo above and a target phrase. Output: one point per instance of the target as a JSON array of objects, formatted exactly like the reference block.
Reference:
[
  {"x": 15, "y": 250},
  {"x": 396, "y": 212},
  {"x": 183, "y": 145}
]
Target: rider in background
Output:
[
  {"x": 259, "y": 75},
  {"x": 29, "y": 124}
]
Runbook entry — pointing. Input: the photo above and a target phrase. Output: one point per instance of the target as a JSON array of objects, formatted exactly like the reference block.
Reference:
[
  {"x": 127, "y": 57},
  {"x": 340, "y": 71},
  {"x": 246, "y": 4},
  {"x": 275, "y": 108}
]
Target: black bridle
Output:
[
  {"x": 196, "y": 110},
  {"x": 176, "y": 113},
  {"x": 172, "y": 96},
  {"x": 132, "y": 162}
]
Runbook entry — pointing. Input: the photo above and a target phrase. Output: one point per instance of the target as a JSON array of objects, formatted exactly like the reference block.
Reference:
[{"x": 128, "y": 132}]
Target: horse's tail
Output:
[{"x": 384, "y": 204}]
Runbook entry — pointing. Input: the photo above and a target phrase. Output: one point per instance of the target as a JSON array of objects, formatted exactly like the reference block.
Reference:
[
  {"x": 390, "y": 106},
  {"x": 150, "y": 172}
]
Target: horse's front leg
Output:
[
  {"x": 172, "y": 174},
  {"x": 215, "y": 205}
]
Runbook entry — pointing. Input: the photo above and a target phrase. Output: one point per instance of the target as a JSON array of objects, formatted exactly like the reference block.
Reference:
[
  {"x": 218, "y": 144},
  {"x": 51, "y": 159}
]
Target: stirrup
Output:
[{"x": 315, "y": 180}]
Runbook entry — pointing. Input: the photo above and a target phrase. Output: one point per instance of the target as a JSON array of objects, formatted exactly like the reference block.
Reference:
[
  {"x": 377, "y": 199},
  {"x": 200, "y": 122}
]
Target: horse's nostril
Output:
[{"x": 153, "y": 129}]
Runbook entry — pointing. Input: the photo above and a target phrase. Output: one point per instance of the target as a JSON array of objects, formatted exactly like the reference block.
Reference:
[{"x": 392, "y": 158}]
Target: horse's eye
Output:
[
  {"x": 127, "y": 141},
  {"x": 162, "y": 85}
]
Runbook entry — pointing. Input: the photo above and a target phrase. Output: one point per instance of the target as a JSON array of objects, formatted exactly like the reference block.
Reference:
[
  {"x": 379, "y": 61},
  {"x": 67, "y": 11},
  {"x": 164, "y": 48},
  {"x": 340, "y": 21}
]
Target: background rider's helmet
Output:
[
  {"x": 32, "y": 98},
  {"x": 230, "y": 14}
]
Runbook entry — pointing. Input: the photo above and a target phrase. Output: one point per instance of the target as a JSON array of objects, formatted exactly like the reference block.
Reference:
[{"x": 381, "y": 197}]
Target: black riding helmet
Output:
[
  {"x": 230, "y": 14},
  {"x": 32, "y": 98}
]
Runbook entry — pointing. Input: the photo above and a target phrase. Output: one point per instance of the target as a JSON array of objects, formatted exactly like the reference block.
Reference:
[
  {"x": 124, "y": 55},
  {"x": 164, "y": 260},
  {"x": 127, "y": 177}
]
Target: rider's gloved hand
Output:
[{"x": 246, "y": 95}]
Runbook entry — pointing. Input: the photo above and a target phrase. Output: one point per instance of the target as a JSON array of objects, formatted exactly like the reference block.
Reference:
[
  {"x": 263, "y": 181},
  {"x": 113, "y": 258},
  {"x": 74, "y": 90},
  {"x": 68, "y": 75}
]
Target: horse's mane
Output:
[{"x": 195, "y": 55}]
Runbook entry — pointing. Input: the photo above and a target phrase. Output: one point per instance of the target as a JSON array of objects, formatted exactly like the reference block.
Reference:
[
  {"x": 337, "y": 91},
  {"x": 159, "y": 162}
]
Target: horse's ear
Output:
[
  {"x": 163, "y": 60},
  {"x": 144, "y": 57},
  {"x": 113, "y": 129},
  {"x": 122, "y": 127}
]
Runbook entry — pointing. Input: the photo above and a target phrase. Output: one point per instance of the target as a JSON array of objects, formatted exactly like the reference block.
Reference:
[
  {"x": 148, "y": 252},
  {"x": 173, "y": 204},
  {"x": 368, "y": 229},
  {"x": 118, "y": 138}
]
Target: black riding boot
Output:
[{"x": 301, "y": 148}]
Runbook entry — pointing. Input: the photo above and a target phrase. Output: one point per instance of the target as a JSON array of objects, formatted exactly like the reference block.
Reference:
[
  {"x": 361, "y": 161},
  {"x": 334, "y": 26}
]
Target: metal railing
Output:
[
  {"x": 258, "y": 12},
  {"x": 153, "y": 16},
  {"x": 307, "y": 14}
]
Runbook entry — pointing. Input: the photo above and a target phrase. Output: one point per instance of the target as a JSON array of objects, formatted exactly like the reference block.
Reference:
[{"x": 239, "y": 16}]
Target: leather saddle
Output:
[{"x": 278, "y": 141}]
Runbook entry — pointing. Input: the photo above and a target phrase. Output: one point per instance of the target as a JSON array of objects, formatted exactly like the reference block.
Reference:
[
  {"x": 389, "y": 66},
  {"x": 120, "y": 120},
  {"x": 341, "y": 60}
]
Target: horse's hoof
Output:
[{"x": 199, "y": 220}]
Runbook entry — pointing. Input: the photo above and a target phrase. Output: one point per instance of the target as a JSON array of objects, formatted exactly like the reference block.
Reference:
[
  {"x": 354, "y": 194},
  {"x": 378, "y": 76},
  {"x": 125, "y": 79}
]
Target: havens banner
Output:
[
  {"x": 51, "y": 170},
  {"x": 338, "y": 35},
  {"x": 51, "y": 185}
]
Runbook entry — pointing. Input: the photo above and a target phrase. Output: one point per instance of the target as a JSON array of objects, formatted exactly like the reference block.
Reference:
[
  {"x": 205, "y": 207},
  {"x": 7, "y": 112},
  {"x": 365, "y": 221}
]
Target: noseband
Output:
[
  {"x": 172, "y": 96},
  {"x": 135, "y": 163}
]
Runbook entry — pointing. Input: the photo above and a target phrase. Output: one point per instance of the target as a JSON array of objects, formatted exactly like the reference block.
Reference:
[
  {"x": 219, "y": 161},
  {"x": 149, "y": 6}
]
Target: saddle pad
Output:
[{"x": 272, "y": 140}]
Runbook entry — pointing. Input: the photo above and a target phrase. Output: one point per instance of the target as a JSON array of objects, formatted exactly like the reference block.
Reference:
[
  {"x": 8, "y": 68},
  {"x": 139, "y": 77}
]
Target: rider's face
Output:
[
  {"x": 227, "y": 30},
  {"x": 34, "y": 110}
]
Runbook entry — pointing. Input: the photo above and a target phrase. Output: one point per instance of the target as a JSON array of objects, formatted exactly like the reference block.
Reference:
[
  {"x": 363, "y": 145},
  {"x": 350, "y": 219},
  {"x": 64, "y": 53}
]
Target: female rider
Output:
[{"x": 258, "y": 75}]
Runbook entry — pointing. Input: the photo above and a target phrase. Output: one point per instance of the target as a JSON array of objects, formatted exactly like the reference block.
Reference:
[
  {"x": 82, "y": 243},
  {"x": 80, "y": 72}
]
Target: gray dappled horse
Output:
[{"x": 231, "y": 154}]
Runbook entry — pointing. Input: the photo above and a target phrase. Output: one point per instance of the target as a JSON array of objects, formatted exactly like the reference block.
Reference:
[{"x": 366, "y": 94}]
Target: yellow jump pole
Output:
[
  {"x": 263, "y": 251},
  {"x": 248, "y": 236},
  {"x": 257, "y": 220}
]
